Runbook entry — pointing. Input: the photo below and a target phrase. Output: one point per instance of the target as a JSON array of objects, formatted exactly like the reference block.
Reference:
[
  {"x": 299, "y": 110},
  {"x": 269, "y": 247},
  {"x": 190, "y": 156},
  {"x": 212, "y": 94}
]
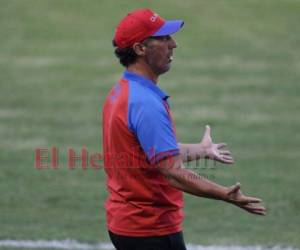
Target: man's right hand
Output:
[
  {"x": 190, "y": 182},
  {"x": 248, "y": 203}
]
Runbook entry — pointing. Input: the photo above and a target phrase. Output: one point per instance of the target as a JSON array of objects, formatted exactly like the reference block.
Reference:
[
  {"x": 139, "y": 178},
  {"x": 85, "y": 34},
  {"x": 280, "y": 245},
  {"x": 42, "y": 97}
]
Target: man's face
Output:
[{"x": 158, "y": 54}]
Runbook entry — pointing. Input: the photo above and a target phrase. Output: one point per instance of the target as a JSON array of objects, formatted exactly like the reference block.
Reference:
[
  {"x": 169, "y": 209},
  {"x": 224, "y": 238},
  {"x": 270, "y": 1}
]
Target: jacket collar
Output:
[{"x": 145, "y": 82}]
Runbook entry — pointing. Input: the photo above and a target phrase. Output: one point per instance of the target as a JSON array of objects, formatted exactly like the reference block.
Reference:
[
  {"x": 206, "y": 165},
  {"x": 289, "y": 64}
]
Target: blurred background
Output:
[{"x": 237, "y": 68}]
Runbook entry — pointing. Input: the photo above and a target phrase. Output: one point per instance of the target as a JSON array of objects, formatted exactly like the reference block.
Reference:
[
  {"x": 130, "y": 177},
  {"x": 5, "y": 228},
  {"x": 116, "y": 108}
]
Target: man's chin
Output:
[{"x": 166, "y": 69}]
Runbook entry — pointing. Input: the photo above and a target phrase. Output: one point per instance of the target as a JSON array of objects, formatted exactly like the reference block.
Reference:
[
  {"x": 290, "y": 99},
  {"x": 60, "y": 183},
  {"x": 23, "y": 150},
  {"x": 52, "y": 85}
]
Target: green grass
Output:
[{"x": 236, "y": 68}]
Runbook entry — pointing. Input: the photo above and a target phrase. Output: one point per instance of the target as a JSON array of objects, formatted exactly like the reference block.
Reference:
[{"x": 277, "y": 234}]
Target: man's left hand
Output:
[{"x": 215, "y": 151}]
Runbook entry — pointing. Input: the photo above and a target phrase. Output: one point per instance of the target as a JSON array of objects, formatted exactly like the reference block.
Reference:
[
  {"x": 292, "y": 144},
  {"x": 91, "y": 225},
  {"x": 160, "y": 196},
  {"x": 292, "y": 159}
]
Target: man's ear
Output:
[{"x": 139, "y": 49}]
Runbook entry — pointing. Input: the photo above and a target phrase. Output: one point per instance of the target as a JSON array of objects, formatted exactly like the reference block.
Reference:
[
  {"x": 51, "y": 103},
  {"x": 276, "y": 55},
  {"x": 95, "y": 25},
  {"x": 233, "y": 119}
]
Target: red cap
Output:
[{"x": 143, "y": 23}]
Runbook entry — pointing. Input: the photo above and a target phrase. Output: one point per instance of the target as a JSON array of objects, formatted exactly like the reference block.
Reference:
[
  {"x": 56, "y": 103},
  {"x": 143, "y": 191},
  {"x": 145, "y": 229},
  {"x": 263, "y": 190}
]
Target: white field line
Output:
[{"x": 76, "y": 245}]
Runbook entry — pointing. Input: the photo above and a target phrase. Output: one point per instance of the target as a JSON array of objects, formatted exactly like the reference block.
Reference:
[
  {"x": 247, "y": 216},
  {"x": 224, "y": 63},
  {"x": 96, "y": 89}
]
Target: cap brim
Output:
[{"x": 169, "y": 28}]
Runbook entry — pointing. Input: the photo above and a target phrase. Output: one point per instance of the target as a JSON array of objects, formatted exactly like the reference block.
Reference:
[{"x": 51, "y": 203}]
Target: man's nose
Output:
[{"x": 172, "y": 43}]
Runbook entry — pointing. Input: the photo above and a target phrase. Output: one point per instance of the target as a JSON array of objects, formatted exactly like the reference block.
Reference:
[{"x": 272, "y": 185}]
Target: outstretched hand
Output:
[
  {"x": 248, "y": 203},
  {"x": 215, "y": 151}
]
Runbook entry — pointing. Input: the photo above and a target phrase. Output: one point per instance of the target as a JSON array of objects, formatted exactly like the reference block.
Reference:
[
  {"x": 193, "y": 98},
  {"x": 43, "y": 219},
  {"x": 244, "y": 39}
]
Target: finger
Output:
[
  {"x": 221, "y": 145},
  {"x": 249, "y": 200},
  {"x": 234, "y": 188},
  {"x": 252, "y": 199},
  {"x": 226, "y": 157},
  {"x": 207, "y": 131},
  {"x": 227, "y": 161},
  {"x": 256, "y": 210},
  {"x": 254, "y": 207},
  {"x": 224, "y": 160},
  {"x": 224, "y": 152}
]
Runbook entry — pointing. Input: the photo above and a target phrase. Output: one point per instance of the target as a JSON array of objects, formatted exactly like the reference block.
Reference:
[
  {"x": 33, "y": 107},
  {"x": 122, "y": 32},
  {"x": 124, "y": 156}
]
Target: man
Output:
[{"x": 143, "y": 160}]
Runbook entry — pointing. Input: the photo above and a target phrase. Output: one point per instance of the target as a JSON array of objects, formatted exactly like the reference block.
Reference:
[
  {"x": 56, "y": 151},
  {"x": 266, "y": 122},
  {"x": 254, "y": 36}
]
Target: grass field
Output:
[{"x": 237, "y": 68}]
